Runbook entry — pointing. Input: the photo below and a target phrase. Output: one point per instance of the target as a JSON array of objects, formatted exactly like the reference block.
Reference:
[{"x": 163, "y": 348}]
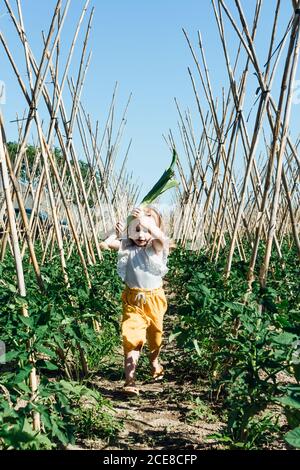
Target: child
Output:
[{"x": 142, "y": 258}]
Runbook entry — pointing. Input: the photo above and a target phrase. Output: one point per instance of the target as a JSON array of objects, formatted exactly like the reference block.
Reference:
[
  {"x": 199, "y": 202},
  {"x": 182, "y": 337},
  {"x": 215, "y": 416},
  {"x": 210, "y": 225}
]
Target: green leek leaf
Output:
[{"x": 165, "y": 182}]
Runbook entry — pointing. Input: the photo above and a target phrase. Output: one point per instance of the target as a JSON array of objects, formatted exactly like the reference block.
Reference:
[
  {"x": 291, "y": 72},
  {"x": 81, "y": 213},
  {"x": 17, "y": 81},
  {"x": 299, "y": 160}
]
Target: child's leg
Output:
[
  {"x": 154, "y": 338},
  {"x": 157, "y": 309},
  {"x": 154, "y": 341},
  {"x": 154, "y": 355},
  {"x": 130, "y": 362},
  {"x": 134, "y": 326}
]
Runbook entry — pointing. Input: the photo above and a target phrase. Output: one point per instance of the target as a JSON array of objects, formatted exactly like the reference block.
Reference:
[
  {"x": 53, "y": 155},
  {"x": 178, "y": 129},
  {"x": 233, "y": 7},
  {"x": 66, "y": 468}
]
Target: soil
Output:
[
  {"x": 166, "y": 414},
  {"x": 153, "y": 421},
  {"x": 175, "y": 413},
  {"x": 163, "y": 415}
]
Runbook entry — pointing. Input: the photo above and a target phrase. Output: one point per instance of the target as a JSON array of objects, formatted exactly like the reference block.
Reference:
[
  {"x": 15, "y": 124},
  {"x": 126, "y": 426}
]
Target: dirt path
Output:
[
  {"x": 175, "y": 413},
  {"x": 157, "y": 419}
]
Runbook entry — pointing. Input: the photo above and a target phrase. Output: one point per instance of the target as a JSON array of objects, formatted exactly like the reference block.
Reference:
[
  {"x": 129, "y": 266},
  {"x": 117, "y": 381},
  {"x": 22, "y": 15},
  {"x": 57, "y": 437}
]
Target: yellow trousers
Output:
[{"x": 143, "y": 312}]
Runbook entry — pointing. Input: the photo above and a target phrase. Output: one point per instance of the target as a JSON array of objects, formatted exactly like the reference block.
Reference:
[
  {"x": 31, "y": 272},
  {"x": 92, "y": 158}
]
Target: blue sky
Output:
[{"x": 140, "y": 44}]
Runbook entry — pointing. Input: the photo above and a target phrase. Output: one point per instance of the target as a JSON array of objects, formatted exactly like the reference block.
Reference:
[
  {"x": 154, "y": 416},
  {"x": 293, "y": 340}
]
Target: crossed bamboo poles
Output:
[
  {"x": 216, "y": 206},
  {"x": 80, "y": 202},
  {"x": 60, "y": 182}
]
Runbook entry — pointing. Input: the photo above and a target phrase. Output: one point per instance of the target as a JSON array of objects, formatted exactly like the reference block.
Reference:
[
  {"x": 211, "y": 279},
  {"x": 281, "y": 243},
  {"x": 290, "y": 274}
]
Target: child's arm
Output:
[
  {"x": 159, "y": 238},
  {"x": 113, "y": 242}
]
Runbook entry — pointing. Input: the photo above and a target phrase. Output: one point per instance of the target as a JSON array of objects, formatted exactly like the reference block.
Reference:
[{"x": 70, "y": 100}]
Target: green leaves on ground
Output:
[
  {"x": 57, "y": 332},
  {"x": 241, "y": 347}
]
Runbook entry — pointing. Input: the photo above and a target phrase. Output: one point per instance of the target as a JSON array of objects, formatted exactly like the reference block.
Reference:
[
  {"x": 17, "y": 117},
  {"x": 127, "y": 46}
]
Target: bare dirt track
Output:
[
  {"x": 157, "y": 419},
  {"x": 166, "y": 414},
  {"x": 175, "y": 413}
]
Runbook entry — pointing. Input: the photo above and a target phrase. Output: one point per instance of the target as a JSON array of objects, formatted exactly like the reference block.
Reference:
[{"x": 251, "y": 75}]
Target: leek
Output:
[{"x": 165, "y": 182}]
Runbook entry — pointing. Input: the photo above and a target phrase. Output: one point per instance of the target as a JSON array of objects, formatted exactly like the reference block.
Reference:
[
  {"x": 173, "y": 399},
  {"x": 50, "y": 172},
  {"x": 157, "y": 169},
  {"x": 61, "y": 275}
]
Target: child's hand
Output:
[
  {"x": 120, "y": 227},
  {"x": 145, "y": 220},
  {"x": 137, "y": 212}
]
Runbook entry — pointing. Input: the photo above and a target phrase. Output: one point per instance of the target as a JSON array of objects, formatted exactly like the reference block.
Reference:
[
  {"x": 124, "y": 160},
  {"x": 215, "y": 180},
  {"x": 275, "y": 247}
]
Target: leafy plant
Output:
[
  {"x": 239, "y": 341},
  {"x": 200, "y": 410},
  {"x": 53, "y": 338}
]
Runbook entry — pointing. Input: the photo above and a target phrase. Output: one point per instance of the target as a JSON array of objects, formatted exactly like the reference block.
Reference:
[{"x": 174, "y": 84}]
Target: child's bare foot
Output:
[{"x": 157, "y": 371}]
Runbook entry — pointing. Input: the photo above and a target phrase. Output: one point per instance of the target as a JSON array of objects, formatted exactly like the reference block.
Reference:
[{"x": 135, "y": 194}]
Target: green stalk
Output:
[{"x": 165, "y": 182}]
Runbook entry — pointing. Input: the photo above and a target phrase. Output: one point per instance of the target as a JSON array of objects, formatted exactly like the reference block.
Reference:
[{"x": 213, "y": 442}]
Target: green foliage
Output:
[
  {"x": 291, "y": 403},
  {"x": 57, "y": 332},
  {"x": 97, "y": 420},
  {"x": 200, "y": 411},
  {"x": 293, "y": 437},
  {"x": 260, "y": 432},
  {"x": 32, "y": 152},
  {"x": 239, "y": 345},
  {"x": 62, "y": 406}
]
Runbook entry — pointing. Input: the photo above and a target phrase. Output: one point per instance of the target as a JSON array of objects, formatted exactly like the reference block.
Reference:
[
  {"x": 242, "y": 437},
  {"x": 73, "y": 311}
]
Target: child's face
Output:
[{"x": 139, "y": 234}]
